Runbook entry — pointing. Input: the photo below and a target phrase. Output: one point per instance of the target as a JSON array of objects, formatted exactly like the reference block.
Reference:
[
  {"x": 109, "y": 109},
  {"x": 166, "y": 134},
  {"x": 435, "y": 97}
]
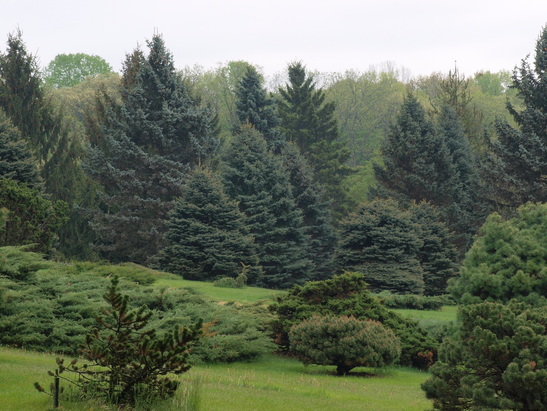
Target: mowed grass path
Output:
[{"x": 270, "y": 384}]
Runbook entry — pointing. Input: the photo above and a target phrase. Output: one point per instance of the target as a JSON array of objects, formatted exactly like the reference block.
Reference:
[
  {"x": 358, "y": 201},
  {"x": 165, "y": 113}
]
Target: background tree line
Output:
[{"x": 323, "y": 173}]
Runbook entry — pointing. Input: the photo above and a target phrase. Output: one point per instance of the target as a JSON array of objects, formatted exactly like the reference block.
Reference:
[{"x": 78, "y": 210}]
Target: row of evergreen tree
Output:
[{"x": 153, "y": 183}]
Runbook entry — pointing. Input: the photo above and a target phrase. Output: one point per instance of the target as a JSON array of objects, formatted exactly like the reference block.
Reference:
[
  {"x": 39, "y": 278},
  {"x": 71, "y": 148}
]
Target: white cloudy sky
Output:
[{"x": 422, "y": 36}]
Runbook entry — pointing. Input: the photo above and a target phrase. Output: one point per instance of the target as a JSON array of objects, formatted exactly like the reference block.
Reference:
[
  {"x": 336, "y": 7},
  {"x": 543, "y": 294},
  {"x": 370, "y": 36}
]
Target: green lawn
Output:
[
  {"x": 247, "y": 294},
  {"x": 270, "y": 384},
  {"x": 446, "y": 314}
]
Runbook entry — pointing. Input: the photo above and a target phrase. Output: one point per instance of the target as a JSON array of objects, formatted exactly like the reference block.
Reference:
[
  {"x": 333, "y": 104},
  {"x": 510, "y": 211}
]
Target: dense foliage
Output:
[
  {"x": 496, "y": 360},
  {"x": 402, "y": 251},
  {"x": 495, "y": 357},
  {"x": 345, "y": 342},
  {"x": 67, "y": 70},
  {"x": 307, "y": 119},
  {"x": 348, "y": 295},
  {"x": 47, "y": 306},
  {"x": 16, "y": 161},
  {"x": 143, "y": 152},
  {"x": 508, "y": 260},
  {"x": 515, "y": 167},
  {"x": 31, "y": 219},
  {"x": 423, "y": 161},
  {"x": 206, "y": 236},
  {"x": 255, "y": 177},
  {"x": 125, "y": 360}
]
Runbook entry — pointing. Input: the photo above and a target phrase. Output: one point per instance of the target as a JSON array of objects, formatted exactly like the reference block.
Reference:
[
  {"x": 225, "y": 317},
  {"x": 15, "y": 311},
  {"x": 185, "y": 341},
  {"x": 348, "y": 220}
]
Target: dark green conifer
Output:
[
  {"x": 207, "y": 237},
  {"x": 316, "y": 215},
  {"x": 257, "y": 179},
  {"x": 515, "y": 170},
  {"x": 256, "y": 108},
  {"x": 16, "y": 161},
  {"x": 22, "y": 98},
  {"x": 380, "y": 240},
  {"x": 143, "y": 154},
  {"x": 308, "y": 120},
  {"x": 424, "y": 162},
  {"x": 57, "y": 151},
  {"x": 437, "y": 255}
]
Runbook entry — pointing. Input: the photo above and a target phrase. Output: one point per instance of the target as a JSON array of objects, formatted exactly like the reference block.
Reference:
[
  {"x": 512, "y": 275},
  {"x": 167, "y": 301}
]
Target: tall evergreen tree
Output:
[
  {"x": 22, "y": 98},
  {"x": 206, "y": 236},
  {"x": 143, "y": 154},
  {"x": 256, "y": 108},
  {"x": 515, "y": 171},
  {"x": 16, "y": 161},
  {"x": 308, "y": 120},
  {"x": 424, "y": 162},
  {"x": 57, "y": 150},
  {"x": 316, "y": 215},
  {"x": 257, "y": 179}
]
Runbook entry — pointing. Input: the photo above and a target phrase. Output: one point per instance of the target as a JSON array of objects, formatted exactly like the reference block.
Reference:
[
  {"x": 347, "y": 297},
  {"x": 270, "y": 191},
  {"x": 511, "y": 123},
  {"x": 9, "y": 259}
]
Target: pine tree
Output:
[
  {"x": 256, "y": 178},
  {"x": 16, "y": 161},
  {"x": 143, "y": 154},
  {"x": 381, "y": 241},
  {"x": 206, "y": 236},
  {"x": 308, "y": 120},
  {"x": 515, "y": 170},
  {"x": 316, "y": 215},
  {"x": 256, "y": 108}
]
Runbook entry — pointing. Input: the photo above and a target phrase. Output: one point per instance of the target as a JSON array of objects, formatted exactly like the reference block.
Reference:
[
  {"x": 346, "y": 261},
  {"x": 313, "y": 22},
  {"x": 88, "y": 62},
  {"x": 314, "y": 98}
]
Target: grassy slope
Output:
[{"x": 247, "y": 294}]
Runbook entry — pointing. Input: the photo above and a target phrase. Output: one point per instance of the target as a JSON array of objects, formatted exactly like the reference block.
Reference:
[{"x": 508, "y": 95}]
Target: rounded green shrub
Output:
[{"x": 345, "y": 342}]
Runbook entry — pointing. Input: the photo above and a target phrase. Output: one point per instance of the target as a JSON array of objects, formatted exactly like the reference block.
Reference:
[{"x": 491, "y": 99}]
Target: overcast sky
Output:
[{"x": 423, "y": 36}]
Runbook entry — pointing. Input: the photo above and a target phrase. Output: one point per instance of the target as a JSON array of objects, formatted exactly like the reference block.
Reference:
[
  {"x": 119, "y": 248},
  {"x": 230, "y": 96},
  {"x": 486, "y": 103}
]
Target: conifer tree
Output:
[
  {"x": 437, "y": 255},
  {"x": 206, "y": 236},
  {"x": 256, "y": 108},
  {"x": 424, "y": 162},
  {"x": 22, "y": 98},
  {"x": 56, "y": 150},
  {"x": 308, "y": 120},
  {"x": 316, "y": 215},
  {"x": 380, "y": 241},
  {"x": 16, "y": 161},
  {"x": 143, "y": 154},
  {"x": 256, "y": 178},
  {"x": 515, "y": 171}
]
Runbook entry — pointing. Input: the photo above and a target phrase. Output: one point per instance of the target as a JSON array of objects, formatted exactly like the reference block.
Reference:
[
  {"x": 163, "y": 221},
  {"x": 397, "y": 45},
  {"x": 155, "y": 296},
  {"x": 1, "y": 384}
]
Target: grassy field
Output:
[
  {"x": 272, "y": 383},
  {"x": 247, "y": 294},
  {"x": 445, "y": 314}
]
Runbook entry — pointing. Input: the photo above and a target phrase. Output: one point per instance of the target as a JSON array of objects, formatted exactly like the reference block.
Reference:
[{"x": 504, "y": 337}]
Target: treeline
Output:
[{"x": 212, "y": 174}]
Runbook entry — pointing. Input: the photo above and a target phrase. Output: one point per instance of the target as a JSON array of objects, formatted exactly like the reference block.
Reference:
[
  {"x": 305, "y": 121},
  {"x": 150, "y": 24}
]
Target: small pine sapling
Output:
[{"x": 127, "y": 360}]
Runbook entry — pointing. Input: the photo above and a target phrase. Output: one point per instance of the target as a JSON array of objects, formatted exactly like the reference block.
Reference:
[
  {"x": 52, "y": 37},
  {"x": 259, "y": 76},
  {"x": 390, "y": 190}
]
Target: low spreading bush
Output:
[
  {"x": 345, "y": 342},
  {"x": 47, "y": 306}
]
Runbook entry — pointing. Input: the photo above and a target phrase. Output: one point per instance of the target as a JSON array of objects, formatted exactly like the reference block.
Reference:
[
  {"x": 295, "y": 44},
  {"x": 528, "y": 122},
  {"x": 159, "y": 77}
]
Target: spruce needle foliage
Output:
[
  {"x": 255, "y": 177},
  {"x": 142, "y": 155},
  {"x": 206, "y": 236},
  {"x": 307, "y": 119}
]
